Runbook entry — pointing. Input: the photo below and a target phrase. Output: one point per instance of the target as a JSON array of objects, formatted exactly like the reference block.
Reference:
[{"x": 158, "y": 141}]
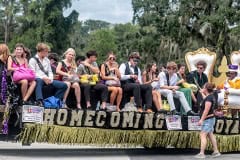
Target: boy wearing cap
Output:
[{"x": 131, "y": 81}]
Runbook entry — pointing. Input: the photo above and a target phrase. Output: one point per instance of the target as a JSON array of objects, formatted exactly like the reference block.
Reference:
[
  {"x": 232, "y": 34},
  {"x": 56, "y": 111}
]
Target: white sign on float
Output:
[
  {"x": 173, "y": 122},
  {"x": 32, "y": 114},
  {"x": 193, "y": 123}
]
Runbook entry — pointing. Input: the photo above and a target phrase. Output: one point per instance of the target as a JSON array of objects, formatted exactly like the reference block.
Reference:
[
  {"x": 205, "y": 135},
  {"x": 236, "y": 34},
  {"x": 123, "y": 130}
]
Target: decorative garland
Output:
[
  {"x": 5, "y": 118},
  {"x": 125, "y": 138},
  {"x": 4, "y": 86}
]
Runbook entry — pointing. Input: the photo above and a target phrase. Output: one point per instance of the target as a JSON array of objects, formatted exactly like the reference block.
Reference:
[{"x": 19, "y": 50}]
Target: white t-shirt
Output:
[{"x": 163, "y": 79}]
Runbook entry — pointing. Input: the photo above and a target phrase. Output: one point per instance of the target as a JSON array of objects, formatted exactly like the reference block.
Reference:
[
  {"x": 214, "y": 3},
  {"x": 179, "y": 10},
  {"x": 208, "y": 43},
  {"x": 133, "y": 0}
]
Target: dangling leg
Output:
[
  {"x": 30, "y": 90},
  {"x": 77, "y": 92}
]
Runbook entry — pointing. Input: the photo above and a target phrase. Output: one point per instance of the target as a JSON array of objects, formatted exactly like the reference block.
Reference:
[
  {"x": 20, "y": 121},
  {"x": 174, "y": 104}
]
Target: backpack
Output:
[{"x": 52, "y": 103}]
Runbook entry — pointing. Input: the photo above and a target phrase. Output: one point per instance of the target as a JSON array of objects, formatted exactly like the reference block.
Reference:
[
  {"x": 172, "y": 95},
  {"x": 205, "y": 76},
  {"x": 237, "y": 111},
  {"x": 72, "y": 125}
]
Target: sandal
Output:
[{"x": 79, "y": 106}]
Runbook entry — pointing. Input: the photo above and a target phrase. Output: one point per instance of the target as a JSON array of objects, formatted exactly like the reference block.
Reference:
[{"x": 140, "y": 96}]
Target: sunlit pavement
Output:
[{"x": 36, "y": 151}]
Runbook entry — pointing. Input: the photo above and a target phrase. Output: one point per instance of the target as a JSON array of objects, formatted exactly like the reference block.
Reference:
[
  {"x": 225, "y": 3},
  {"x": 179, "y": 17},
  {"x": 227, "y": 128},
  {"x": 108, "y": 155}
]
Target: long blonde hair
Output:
[
  {"x": 115, "y": 64},
  {"x": 4, "y": 52},
  {"x": 73, "y": 63}
]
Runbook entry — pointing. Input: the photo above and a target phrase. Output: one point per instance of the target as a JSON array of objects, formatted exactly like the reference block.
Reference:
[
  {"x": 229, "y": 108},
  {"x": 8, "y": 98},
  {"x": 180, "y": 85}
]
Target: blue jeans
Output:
[
  {"x": 58, "y": 85},
  {"x": 208, "y": 125}
]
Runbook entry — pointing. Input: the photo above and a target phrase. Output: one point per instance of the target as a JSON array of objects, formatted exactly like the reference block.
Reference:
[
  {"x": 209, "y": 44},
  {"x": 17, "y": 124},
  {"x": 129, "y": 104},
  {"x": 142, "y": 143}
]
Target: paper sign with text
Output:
[
  {"x": 32, "y": 114},
  {"x": 193, "y": 123},
  {"x": 173, "y": 122}
]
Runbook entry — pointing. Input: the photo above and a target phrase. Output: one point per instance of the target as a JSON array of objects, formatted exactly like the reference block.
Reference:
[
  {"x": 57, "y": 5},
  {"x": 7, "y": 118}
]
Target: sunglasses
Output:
[
  {"x": 112, "y": 58},
  {"x": 171, "y": 68},
  {"x": 136, "y": 60},
  {"x": 231, "y": 73},
  {"x": 200, "y": 68}
]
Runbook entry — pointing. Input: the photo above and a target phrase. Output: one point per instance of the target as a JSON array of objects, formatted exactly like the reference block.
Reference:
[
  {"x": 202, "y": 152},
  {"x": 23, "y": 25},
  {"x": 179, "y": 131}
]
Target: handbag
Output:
[
  {"x": 155, "y": 85},
  {"x": 52, "y": 103},
  {"x": 73, "y": 79},
  {"x": 23, "y": 73},
  {"x": 193, "y": 87},
  {"x": 166, "y": 105},
  {"x": 89, "y": 79},
  {"x": 71, "y": 71},
  {"x": 114, "y": 83}
]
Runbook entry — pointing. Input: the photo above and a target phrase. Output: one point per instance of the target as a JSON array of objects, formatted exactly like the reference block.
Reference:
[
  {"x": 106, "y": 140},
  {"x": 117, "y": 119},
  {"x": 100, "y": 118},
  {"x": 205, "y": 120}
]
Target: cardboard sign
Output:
[
  {"x": 173, "y": 122},
  {"x": 193, "y": 123},
  {"x": 32, "y": 114}
]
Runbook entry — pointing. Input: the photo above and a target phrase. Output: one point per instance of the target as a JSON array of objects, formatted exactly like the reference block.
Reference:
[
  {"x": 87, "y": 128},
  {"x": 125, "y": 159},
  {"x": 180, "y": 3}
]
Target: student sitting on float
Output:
[
  {"x": 231, "y": 87},
  {"x": 67, "y": 69},
  {"x": 185, "y": 87},
  {"x": 44, "y": 75},
  {"x": 169, "y": 88},
  {"x": 131, "y": 81},
  {"x": 4, "y": 54},
  {"x": 53, "y": 57},
  {"x": 111, "y": 76},
  {"x": 150, "y": 76},
  {"x": 199, "y": 78},
  {"x": 88, "y": 71},
  {"x": 17, "y": 61}
]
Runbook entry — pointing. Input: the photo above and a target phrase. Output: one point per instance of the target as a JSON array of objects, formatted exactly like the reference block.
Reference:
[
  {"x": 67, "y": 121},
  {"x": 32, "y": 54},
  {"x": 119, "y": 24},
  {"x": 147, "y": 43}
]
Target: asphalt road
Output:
[{"x": 36, "y": 151}]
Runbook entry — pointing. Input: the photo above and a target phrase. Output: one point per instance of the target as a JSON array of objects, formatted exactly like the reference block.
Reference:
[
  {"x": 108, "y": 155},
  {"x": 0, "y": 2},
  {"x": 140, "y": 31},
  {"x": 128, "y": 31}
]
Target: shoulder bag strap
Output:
[
  {"x": 64, "y": 66},
  {"x": 167, "y": 76},
  {"x": 195, "y": 81},
  {"x": 15, "y": 60},
  {"x": 40, "y": 65}
]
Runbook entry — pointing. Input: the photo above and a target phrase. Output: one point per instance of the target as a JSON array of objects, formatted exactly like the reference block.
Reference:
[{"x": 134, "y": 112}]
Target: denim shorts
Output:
[{"x": 208, "y": 125}]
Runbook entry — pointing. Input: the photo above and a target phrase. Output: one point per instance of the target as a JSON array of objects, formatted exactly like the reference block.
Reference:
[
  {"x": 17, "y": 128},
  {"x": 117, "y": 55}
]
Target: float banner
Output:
[{"x": 133, "y": 120}]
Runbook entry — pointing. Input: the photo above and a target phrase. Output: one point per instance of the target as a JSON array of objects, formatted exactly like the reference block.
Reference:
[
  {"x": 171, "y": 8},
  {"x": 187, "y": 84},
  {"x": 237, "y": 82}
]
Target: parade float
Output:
[{"x": 129, "y": 128}]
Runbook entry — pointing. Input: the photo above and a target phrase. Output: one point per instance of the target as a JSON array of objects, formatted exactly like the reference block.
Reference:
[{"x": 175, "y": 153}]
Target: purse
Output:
[
  {"x": 89, "y": 79},
  {"x": 23, "y": 73},
  {"x": 113, "y": 83},
  {"x": 193, "y": 87},
  {"x": 166, "y": 106},
  {"x": 74, "y": 78}
]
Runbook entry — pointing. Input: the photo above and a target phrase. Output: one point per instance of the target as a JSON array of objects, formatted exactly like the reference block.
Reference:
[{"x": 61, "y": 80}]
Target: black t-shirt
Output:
[{"x": 209, "y": 98}]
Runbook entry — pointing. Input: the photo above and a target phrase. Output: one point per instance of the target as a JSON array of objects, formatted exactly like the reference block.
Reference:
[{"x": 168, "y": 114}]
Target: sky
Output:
[{"x": 113, "y": 11}]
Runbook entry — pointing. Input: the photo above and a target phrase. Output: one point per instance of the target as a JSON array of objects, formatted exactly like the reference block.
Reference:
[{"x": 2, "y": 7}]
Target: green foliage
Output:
[
  {"x": 9, "y": 10},
  {"x": 171, "y": 28},
  {"x": 126, "y": 39},
  {"x": 92, "y": 25},
  {"x": 102, "y": 41},
  {"x": 42, "y": 21},
  {"x": 163, "y": 30}
]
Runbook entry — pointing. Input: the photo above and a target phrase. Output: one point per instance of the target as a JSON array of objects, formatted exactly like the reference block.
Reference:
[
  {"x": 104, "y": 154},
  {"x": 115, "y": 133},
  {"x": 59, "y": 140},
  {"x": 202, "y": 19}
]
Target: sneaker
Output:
[
  {"x": 216, "y": 154},
  {"x": 26, "y": 103},
  {"x": 200, "y": 156},
  {"x": 175, "y": 112},
  {"x": 64, "y": 105},
  {"x": 191, "y": 113},
  {"x": 39, "y": 103}
]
